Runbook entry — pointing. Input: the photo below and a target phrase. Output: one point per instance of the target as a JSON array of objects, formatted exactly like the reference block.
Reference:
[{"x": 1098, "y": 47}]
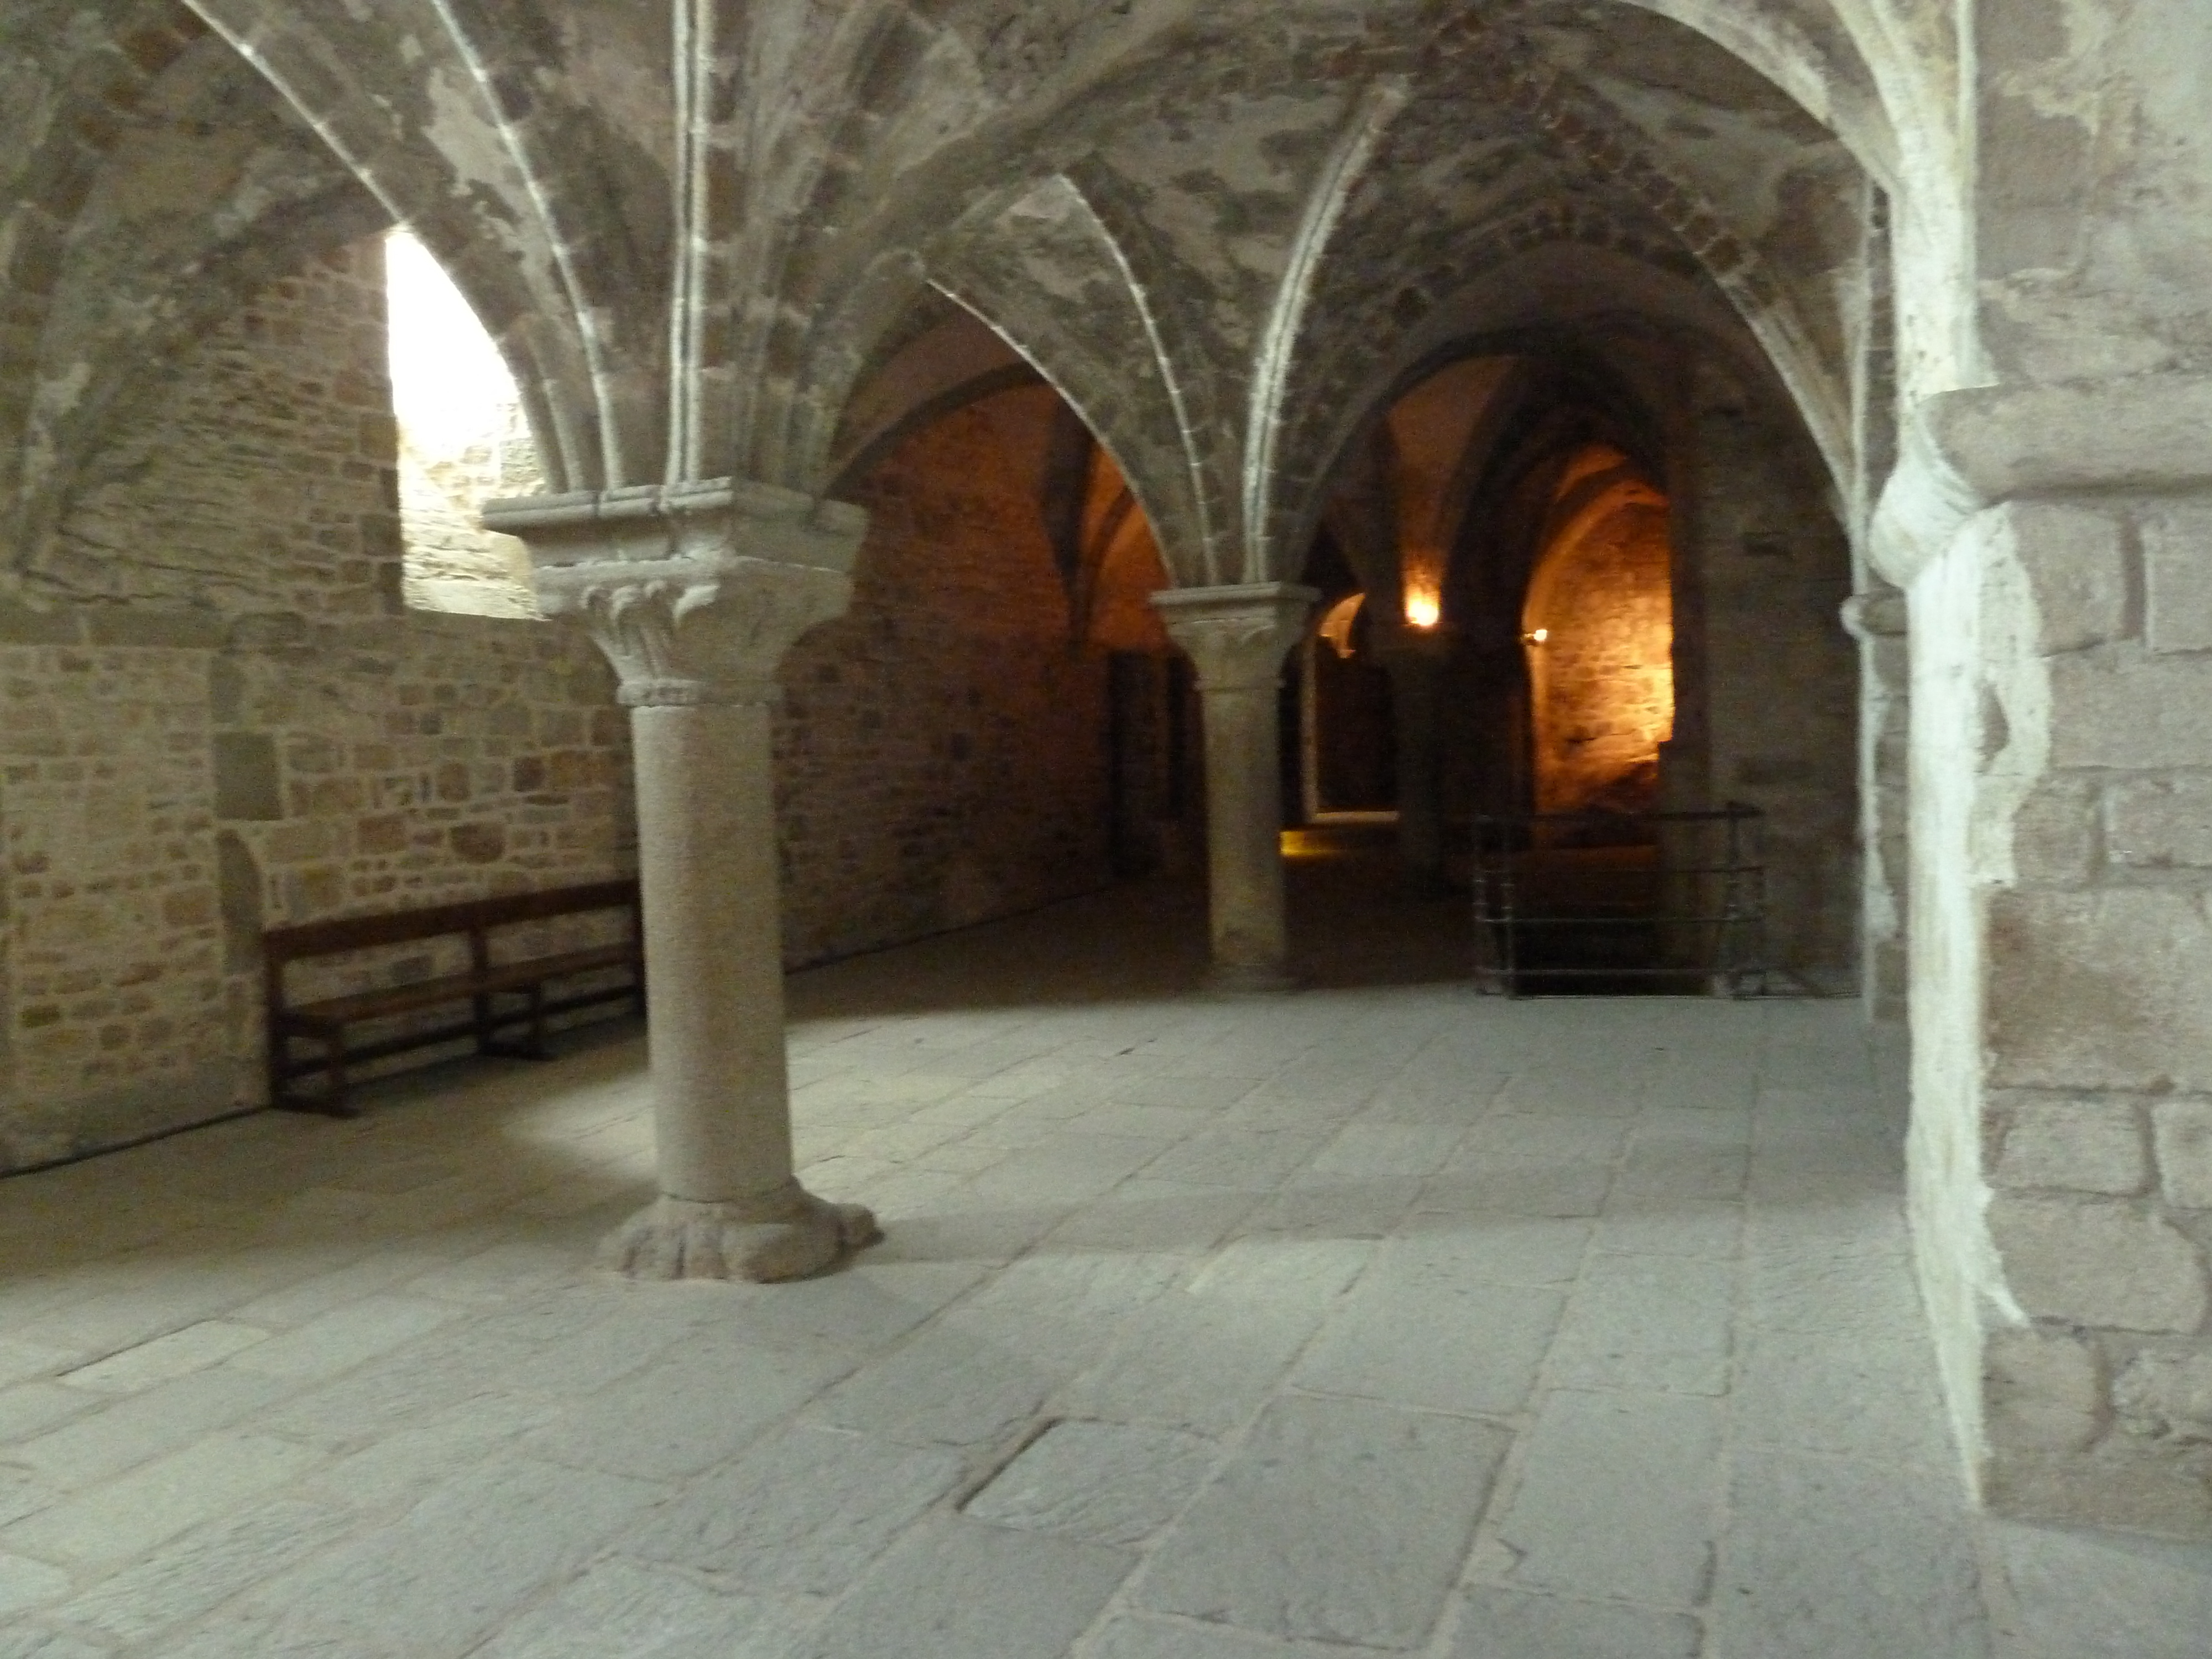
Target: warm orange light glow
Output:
[
  {"x": 1336, "y": 626},
  {"x": 1424, "y": 607},
  {"x": 1601, "y": 608}
]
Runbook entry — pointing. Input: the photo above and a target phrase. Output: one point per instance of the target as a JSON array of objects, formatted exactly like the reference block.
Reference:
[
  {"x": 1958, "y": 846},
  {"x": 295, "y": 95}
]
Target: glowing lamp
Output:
[{"x": 1422, "y": 610}]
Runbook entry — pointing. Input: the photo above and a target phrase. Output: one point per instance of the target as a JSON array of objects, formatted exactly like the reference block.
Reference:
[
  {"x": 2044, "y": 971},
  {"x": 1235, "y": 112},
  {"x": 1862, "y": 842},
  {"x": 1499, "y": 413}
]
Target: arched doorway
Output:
[{"x": 1597, "y": 627}]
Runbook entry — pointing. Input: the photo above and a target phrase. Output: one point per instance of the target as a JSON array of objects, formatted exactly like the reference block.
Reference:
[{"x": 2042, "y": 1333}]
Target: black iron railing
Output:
[{"x": 1617, "y": 902}]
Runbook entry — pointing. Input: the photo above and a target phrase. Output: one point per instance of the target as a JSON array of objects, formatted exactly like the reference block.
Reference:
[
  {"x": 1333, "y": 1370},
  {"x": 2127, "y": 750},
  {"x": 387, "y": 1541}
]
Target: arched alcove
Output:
[{"x": 1598, "y": 629}]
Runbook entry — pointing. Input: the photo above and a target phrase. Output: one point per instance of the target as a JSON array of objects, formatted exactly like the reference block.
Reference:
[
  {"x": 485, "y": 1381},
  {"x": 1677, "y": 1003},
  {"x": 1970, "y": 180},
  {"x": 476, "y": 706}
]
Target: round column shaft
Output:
[
  {"x": 707, "y": 858},
  {"x": 1244, "y": 834}
]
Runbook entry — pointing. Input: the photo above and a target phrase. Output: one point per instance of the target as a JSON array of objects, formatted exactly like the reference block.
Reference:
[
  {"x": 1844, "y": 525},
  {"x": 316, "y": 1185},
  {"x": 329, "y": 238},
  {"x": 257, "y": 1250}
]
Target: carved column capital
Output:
[
  {"x": 694, "y": 592},
  {"x": 1238, "y": 636}
]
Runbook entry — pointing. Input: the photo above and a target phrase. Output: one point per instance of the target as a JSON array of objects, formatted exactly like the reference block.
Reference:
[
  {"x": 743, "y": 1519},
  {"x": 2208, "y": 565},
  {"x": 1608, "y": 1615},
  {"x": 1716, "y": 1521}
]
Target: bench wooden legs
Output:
[
  {"x": 532, "y": 1046},
  {"x": 486, "y": 1022},
  {"x": 334, "y": 1093},
  {"x": 332, "y": 1101}
]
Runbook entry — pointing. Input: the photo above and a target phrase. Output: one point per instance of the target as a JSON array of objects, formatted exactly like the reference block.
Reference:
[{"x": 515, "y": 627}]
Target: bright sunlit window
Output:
[{"x": 462, "y": 442}]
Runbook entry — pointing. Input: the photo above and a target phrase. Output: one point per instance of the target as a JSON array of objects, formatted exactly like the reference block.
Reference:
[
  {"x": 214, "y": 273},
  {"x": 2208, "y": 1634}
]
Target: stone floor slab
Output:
[
  {"x": 166, "y": 1417},
  {"x": 27, "y": 1584},
  {"x": 1649, "y": 1322},
  {"x": 434, "y": 1583},
  {"x": 1107, "y": 1483},
  {"x": 194, "y": 1573},
  {"x": 1846, "y": 1395},
  {"x": 126, "y": 1516},
  {"x": 804, "y": 1512},
  {"x": 1829, "y": 1559},
  {"x": 621, "y": 1608},
  {"x": 1619, "y": 1498},
  {"x": 957, "y": 1383},
  {"x": 981, "y": 1592},
  {"x": 1474, "y": 1348},
  {"x": 1160, "y": 1638},
  {"x": 2063, "y": 1594},
  {"x": 1502, "y": 1624},
  {"x": 706, "y": 1399},
  {"x": 1339, "y": 1521},
  {"x": 177, "y": 1354}
]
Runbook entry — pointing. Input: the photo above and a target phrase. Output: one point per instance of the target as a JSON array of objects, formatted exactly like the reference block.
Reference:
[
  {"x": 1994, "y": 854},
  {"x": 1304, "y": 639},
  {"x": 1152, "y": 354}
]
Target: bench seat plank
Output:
[
  {"x": 331, "y": 1012},
  {"x": 327, "y": 1020}
]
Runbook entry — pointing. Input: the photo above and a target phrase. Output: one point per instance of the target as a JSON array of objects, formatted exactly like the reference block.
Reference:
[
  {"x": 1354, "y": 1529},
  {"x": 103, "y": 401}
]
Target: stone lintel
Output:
[
  {"x": 694, "y": 591},
  {"x": 1237, "y": 635}
]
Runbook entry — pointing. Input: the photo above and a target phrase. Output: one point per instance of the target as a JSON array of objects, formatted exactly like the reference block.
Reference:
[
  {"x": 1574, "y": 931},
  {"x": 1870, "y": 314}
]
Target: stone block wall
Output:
[
  {"x": 1601, "y": 680},
  {"x": 217, "y": 717},
  {"x": 2062, "y": 945},
  {"x": 942, "y": 748},
  {"x": 214, "y": 717},
  {"x": 263, "y": 480},
  {"x": 162, "y": 804}
]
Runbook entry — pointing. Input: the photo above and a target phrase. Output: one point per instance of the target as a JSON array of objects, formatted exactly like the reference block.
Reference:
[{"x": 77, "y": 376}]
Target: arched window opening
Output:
[{"x": 462, "y": 441}]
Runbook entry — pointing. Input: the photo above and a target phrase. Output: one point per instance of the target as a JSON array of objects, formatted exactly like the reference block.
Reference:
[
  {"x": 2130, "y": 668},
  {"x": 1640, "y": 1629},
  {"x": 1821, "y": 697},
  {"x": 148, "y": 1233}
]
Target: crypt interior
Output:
[{"x": 1420, "y": 797}]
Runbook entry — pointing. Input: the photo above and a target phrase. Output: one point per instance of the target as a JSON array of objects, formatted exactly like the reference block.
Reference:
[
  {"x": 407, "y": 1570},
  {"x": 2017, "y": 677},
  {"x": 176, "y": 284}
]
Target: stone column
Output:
[
  {"x": 695, "y": 593},
  {"x": 1237, "y": 637},
  {"x": 1415, "y": 659}
]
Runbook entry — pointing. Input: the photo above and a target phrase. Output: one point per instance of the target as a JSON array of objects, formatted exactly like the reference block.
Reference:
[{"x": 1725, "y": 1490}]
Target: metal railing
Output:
[{"x": 1606, "y": 902}]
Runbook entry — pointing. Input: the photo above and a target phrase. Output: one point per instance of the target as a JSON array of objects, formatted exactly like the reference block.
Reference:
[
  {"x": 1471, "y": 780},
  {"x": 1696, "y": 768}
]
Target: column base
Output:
[
  {"x": 1229, "y": 979},
  {"x": 794, "y": 1235}
]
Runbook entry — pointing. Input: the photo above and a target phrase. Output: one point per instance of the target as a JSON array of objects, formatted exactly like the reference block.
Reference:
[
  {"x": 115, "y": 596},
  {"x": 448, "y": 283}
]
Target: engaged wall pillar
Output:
[
  {"x": 1876, "y": 619},
  {"x": 2061, "y": 1149},
  {"x": 1415, "y": 661},
  {"x": 695, "y": 593}
]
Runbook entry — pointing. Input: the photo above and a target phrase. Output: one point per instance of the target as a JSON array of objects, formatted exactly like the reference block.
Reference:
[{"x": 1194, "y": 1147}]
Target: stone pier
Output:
[
  {"x": 1415, "y": 659},
  {"x": 1237, "y": 637}
]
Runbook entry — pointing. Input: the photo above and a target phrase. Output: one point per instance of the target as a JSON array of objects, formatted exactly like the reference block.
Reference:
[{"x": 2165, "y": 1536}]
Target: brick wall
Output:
[
  {"x": 1602, "y": 680},
  {"x": 942, "y": 748}
]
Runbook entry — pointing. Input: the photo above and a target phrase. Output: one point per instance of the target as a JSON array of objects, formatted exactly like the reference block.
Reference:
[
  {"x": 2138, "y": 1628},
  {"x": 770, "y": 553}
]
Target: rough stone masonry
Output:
[{"x": 1900, "y": 302}]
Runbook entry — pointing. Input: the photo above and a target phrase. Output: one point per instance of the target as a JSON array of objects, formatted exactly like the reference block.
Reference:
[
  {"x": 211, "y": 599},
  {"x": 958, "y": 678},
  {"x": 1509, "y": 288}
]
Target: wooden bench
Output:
[{"x": 499, "y": 995}]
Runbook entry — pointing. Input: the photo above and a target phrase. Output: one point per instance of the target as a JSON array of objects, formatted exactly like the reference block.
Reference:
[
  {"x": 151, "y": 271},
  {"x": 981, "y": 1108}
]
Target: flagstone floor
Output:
[{"x": 1379, "y": 1318}]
